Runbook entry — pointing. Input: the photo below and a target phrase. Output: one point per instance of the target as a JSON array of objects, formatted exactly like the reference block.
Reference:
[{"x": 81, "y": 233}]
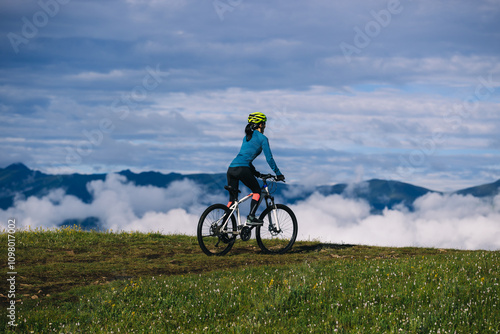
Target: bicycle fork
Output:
[{"x": 274, "y": 224}]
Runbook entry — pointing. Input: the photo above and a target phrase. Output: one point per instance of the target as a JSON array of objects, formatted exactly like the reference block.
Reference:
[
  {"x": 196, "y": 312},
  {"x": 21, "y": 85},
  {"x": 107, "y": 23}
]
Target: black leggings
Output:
[{"x": 245, "y": 175}]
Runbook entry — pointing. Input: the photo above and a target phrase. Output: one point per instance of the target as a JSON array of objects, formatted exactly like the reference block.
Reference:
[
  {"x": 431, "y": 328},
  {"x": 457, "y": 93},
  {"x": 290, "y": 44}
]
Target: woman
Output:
[{"x": 241, "y": 168}]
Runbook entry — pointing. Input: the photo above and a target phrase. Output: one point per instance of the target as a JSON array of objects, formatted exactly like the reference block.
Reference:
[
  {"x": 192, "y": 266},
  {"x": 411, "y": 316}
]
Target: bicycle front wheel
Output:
[
  {"x": 213, "y": 238},
  {"x": 279, "y": 231}
]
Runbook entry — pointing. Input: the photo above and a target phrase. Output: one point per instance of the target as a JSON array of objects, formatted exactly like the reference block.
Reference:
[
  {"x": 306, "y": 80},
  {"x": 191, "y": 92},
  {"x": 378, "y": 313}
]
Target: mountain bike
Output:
[{"x": 220, "y": 225}]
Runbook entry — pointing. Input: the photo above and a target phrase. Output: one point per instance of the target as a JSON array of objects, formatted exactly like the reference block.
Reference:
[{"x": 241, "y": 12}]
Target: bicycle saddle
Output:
[{"x": 231, "y": 189}]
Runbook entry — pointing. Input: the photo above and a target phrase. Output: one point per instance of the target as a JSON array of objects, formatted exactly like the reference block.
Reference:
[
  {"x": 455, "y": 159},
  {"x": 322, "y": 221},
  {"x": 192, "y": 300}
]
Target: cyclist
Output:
[{"x": 242, "y": 169}]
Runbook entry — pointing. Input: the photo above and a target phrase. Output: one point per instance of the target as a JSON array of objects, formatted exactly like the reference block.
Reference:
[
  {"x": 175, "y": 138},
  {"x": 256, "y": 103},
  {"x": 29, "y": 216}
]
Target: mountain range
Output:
[{"x": 17, "y": 181}]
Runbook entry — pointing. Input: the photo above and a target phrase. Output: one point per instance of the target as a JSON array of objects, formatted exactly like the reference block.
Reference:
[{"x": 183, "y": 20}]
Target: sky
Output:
[{"x": 402, "y": 90}]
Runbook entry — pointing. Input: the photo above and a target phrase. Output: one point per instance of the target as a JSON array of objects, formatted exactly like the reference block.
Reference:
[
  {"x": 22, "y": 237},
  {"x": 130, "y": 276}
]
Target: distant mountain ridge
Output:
[
  {"x": 19, "y": 180},
  {"x": 485, "y": 190}
]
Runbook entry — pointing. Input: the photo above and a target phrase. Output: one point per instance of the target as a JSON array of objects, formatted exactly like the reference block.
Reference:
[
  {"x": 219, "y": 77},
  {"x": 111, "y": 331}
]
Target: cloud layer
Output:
[
  {"x": 415, "y": 99},
  {"x": 443, "y": 221},
  {"x": 119, "y": 205},
  {"x": 447, "y": 221}
]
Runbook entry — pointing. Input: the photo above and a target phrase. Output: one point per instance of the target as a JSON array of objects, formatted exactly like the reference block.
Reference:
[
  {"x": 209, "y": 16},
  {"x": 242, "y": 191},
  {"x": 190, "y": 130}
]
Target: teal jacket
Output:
[{"x": 251, "y": 150}]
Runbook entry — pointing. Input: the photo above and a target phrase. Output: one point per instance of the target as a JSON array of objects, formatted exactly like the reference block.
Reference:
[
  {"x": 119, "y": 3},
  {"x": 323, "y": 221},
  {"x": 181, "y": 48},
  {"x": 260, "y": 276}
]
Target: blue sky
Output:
[{"x": 402, "y": 90}]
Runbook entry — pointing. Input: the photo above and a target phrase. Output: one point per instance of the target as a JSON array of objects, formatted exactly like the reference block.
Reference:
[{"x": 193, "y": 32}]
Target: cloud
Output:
[
  {"x": 444, "y": 221},
  {"x": 119, "y": 205},
  {"x": 93, "y": 76},
  {"x": 282, "y": 58},
  {"x": 334, "y": 130}
]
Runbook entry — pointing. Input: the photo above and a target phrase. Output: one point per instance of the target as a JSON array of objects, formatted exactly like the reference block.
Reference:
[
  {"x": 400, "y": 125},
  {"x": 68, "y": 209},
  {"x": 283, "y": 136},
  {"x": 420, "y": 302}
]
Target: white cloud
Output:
[
  {"x": 175, "y": 221},
  {"x": 119, "y": 205},
  {"x": 94, "y": 76},
  {"x": 444, "y": 221}
]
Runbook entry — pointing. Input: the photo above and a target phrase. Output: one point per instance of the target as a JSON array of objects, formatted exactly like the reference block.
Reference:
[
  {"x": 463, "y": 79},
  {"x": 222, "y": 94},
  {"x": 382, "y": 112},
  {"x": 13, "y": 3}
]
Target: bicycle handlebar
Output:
[{"x": 266, "y": 177}]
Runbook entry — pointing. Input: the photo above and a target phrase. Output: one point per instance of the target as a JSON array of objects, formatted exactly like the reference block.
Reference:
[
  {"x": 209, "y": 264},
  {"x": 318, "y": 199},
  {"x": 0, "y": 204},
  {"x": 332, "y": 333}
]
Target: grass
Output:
[{"x": 71, "y": 281}]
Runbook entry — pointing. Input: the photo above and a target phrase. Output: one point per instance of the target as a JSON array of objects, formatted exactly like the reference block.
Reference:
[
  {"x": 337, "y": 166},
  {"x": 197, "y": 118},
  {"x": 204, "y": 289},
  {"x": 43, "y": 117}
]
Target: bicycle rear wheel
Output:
[
  {"x": 211, "y": 239},
  {"x": 271, "y": 239}
]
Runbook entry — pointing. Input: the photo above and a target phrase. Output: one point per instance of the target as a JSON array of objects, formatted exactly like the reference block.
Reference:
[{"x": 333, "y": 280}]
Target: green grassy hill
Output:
[{"x": 71, "y": 281}]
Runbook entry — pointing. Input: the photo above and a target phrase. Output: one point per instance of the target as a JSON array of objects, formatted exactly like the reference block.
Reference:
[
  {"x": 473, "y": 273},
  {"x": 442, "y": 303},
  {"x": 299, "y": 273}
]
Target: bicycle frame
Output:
[{"x": 235, "y": 207}]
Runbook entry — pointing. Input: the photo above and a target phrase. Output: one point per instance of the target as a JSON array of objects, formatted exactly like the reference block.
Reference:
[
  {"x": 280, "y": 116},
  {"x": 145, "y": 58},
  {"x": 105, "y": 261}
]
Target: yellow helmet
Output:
[{"x": 256, "y": 118}]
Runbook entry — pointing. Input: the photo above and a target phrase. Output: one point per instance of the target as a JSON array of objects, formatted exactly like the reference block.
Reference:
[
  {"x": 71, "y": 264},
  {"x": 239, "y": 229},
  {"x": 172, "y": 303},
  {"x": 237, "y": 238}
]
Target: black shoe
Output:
[{"x": 254, "y": 221}]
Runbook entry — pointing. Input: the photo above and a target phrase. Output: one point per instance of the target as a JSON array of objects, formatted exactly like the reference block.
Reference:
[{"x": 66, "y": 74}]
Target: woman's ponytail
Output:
[{"x": 249, "y": 131}]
